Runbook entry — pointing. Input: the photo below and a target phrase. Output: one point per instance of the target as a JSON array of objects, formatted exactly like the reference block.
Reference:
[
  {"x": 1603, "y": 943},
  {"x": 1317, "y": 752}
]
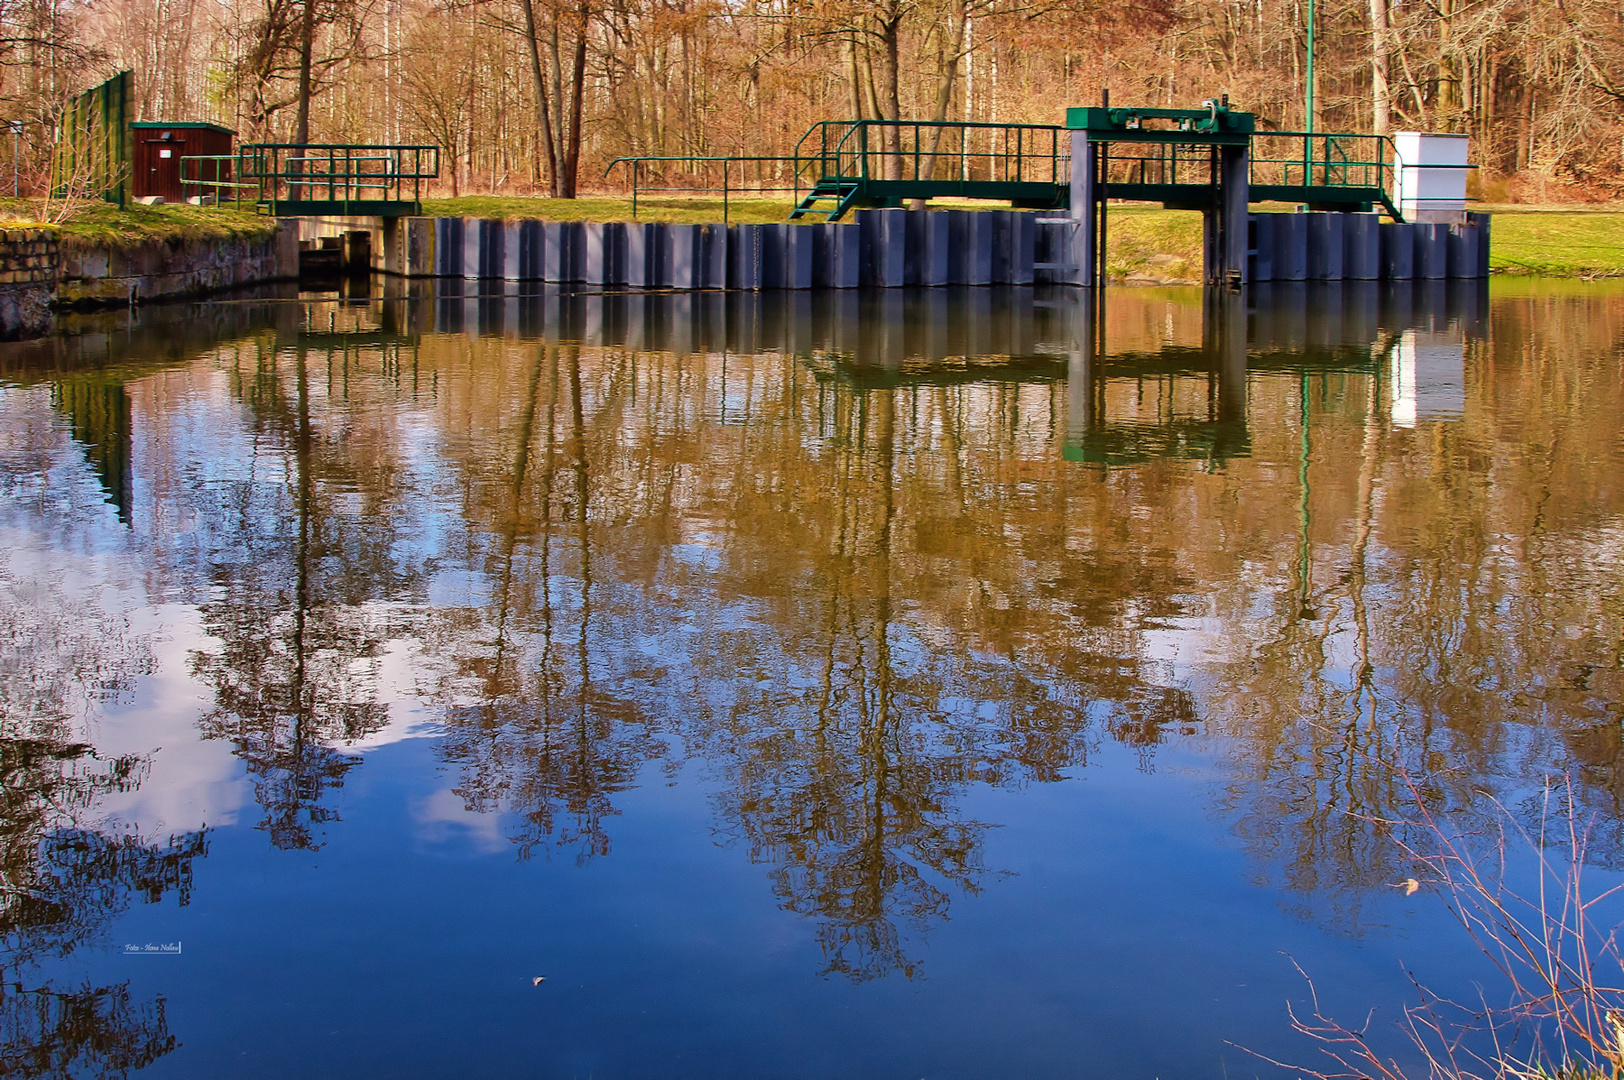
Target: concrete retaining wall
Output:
[
  {"x": 164, "y": 269},
  {"x": 1360, "y": 247},
  {"x": 40, "y": 273},
  {"x": 876, "y": 249}
]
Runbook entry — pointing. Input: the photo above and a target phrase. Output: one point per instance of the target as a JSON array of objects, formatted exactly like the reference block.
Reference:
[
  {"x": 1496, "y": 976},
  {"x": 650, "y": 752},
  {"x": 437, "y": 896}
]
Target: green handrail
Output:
[
  {"x": 345, "y": 170},
  {"x": 725, "y": 160}
]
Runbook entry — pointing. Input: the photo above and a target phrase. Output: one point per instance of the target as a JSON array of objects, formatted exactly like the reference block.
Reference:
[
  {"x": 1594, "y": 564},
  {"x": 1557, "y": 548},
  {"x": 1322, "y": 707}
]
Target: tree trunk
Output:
[
  {"x": 1381, "y": 106},
  {"x": 890, "y": 98},
  {"x": 948, "y": 55},
  {"x": 572, "y": 153},
  {"x": 307, "y": 36},
  {"x": 543, "y": 108}
]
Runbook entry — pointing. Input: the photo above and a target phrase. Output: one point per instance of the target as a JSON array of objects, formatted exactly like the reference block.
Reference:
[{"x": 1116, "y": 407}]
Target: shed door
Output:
[{"x": 163, "y": 169}]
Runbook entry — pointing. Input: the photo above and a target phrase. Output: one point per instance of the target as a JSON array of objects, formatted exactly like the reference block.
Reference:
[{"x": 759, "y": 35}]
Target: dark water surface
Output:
[{"x": 807, "y": 686}]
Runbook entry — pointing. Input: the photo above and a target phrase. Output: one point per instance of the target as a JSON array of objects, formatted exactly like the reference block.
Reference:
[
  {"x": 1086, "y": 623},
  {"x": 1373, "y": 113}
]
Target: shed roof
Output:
[{"x": 182, "y": 125}]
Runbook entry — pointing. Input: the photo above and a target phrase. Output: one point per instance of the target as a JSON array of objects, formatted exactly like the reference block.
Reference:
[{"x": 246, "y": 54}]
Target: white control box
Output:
[{"x": 1431, "y": 176}]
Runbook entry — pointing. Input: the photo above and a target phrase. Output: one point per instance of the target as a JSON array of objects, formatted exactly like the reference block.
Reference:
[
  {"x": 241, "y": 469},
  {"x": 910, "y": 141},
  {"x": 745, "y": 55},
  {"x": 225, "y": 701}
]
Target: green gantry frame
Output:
[{"x": 1168, "y": 156}]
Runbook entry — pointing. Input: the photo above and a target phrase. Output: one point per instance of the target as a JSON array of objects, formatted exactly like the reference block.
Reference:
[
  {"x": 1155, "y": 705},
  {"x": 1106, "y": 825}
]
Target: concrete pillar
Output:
[
  {"x": 1431, "y": 250},
  {"x": 615, "y": 253},
  {"x": 1082, "y": 205},
  {"x": 574, "y": 234},
  {"x": 913, "y": 246},
  {"x": 511, "y": 245},
  {"x": 1260, "y": 245},
  {"x": 1235, "y": 172},
  {"x": 555, "y": 252},
  {"x": 683, "y": 256},
  {"x": 637, "y": 262},
  {"x": 846, "y": 256},
  {"x": 958, "y": 229},
  {"x": 1022, "y": 246},
  {"x": 468, "y": 265},
  {"x": 772, "y": 255},
  {"x": 532, "y": 240},
  {"x": 1001, "y": 240},
  {"x": 935, "y": 238},
  {"x": 1224, "y": 226},
  {"x": 744, "y": 271},
  {"x": 595, "y": 255},
  {"x": 448, "y": 247},
  {"x": 492, "y": 248},
  {"x": 1326, "y": 238},
  {"x": 1361, "y": 247},
  {"x": 1462, "y": 254},
  {"x": 823, "y": 247},
  {"x": 393, "y": 236},
  {"x": 714, "y": 245},
  {"x": 890, "y": 248},
  {"x": 977, "y": 245},
  {"x": 798, "y": 242},
  {"x": 1291, "y": 247},
  {"x": 1398, "y": 250},
  {"x": 419, "y": 235},
  {"x": 1483, "y": 230},
  {"x": 1057, "y": 242}
]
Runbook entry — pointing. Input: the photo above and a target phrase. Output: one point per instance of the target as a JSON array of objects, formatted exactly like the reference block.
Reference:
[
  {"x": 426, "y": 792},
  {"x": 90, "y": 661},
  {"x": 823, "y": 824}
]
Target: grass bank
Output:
[
  {"x": 105, "y": 225},
  {"x": 1557, "y": 242}
]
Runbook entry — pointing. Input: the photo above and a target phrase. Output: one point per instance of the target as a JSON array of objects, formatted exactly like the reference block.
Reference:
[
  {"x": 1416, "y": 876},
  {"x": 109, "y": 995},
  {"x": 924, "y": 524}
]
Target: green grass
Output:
[
  {"x": 105, "y": 225},
  {"x": 1164, "y": 246},
  {"x": 682, "y": 211},
  {"x": 1145, "y": 245},
  {"x": 1557, "y": 242}
]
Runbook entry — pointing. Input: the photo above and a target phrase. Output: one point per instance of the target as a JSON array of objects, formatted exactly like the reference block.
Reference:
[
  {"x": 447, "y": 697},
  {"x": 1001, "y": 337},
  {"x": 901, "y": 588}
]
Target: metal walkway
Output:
[
  {"x": 1169, "y": 156},
  {"x": 865, "y": 163},
  {"x": 338, "y": 179}
]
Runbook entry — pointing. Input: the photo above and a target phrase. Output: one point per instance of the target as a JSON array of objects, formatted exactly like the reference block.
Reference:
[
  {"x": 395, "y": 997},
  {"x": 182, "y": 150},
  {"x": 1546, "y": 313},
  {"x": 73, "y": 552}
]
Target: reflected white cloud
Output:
[{"x": 443, "y": 818}]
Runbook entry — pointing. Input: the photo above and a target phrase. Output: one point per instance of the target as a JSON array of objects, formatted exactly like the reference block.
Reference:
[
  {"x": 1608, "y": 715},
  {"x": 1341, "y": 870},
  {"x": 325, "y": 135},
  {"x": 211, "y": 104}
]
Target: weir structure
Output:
[
  {"x": 1213, "y": 160},
  {"x": 1059, "y": 180}
]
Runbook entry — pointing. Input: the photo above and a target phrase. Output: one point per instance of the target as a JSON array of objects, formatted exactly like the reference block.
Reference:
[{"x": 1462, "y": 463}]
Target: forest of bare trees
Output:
[{"x": 539, "y": 95}]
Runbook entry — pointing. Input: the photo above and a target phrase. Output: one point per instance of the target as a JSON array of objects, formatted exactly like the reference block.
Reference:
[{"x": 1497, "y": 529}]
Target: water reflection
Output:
[
  {"x": 858, "y": 554},
  {"x": 65, "y": 873}
]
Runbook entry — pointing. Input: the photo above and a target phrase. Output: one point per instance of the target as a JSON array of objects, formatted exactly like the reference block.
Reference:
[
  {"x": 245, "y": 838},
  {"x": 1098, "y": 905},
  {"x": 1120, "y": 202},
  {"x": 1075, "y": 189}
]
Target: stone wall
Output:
[
  {"x": 92, "y": 276},
  {"x": 28, "y": 269}
]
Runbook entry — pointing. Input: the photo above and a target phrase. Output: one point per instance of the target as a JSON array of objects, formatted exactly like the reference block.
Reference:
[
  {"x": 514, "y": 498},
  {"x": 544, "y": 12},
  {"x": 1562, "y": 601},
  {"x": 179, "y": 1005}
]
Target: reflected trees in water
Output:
[
  {"x": 66, "y": 873},
  {"x": 542, "y": 714},
  {"x": 306, "y": 544}
]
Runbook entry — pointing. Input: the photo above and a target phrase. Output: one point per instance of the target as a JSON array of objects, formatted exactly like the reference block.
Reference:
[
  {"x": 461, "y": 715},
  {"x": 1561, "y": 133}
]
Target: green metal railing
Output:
[
  {"x": 702, "y": 170},
  {"x": 1318, "y": 159},
  {"x": 213, "y": 173},
  {"x": 317, "y": 178},
  {"x": 926, "y": 151}
]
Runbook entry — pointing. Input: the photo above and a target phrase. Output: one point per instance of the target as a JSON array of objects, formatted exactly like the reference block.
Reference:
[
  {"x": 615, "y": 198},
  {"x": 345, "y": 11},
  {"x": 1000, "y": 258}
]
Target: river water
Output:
[{"x": 952, "y": 684}]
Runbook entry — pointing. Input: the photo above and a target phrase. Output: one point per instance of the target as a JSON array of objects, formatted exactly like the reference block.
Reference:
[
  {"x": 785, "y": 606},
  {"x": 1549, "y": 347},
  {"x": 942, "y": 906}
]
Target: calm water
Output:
[{"x": 812, "y": 686}]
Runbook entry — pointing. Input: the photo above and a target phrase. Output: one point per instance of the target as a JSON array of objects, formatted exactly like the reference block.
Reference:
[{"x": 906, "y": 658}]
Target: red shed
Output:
[{"x": 159, "y": 148}]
